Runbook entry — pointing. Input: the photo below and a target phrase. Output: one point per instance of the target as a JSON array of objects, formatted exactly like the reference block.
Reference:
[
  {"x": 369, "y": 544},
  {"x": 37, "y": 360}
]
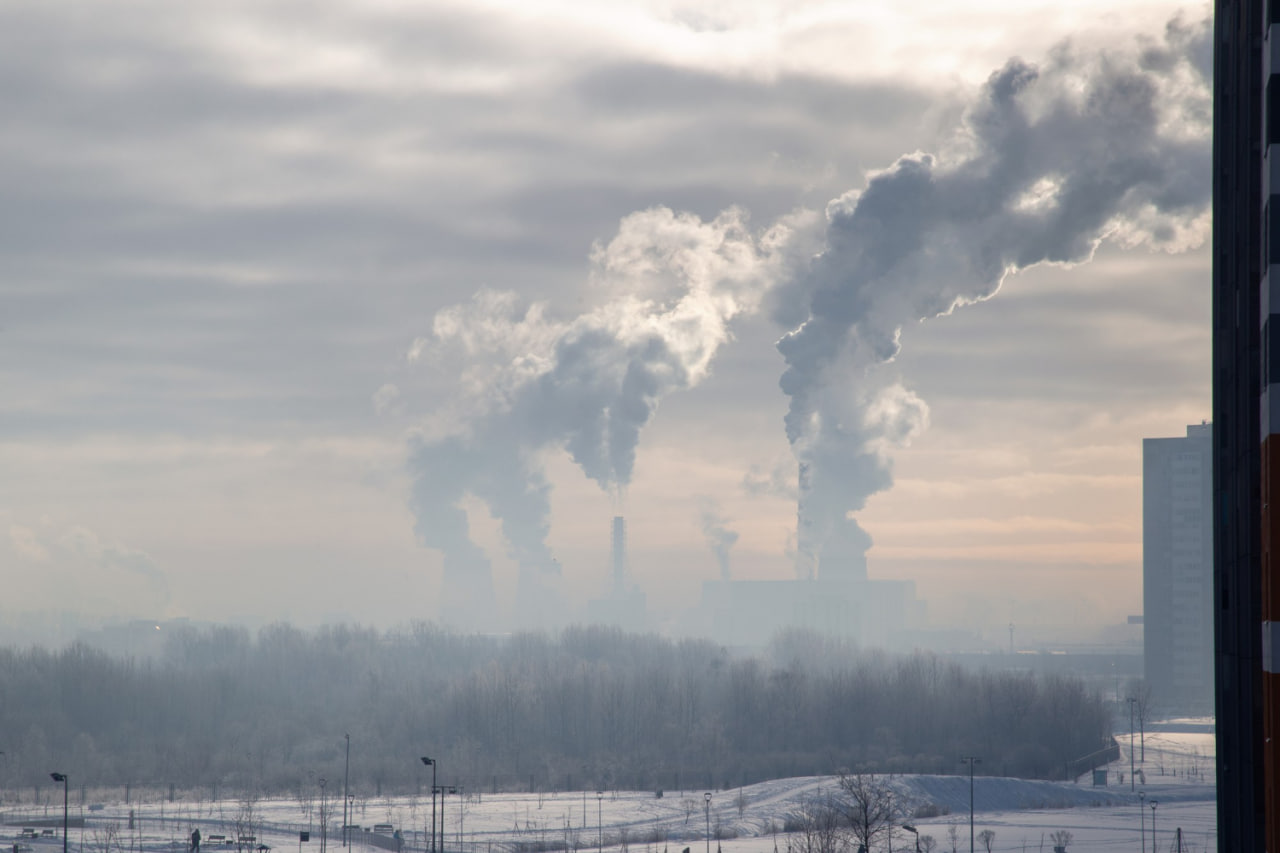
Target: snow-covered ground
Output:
[{"x": 1177, "y": 773}]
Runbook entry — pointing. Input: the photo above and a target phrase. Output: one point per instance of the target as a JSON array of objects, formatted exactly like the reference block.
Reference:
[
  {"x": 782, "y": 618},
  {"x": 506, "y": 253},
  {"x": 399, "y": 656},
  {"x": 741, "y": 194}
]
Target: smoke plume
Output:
[
  {"x": 1049, "y": 162},
  {"x": 667, "y": 287},
  {"x": 720, "y": 538}
]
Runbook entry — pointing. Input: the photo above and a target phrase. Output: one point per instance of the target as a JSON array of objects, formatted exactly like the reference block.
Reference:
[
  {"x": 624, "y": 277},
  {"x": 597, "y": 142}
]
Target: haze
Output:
[{"x": 285, "y": 289}]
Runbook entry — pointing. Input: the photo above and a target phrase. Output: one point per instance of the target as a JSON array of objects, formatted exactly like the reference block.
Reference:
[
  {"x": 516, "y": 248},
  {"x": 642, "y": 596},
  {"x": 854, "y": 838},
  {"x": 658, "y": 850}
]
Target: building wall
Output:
[
  {"x": 1177, "y": 569},
  {"x": 1239, "y": 29}
]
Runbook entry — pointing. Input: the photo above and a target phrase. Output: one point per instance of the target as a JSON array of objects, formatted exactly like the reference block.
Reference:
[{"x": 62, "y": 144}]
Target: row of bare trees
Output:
[{"x": 588, "y": 708}]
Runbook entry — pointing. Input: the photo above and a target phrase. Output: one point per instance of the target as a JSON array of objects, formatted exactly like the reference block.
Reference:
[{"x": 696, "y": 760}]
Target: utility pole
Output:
[
  {"x": 1131, "y": 702},
  {"x": 346, "y": 773},
  {"x": 972, "y": 759}
]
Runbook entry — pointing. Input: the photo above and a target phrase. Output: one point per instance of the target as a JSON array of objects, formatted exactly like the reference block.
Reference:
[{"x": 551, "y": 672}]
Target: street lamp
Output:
[
  {"x": 1142, "y": 820},
  {"x": 62, "y": 778},
  {"x": 911, "y": 829},
  {"x": 1132, "y": 701},
  {"x": 707, "y": 798},
  {"x": 600, "y": 821},
  {"x": 972, "y": 761},
  {"x": 1154, "y": 803},
  {"x": 431, "y": 761},
  {"x": 351, "y": 809}
]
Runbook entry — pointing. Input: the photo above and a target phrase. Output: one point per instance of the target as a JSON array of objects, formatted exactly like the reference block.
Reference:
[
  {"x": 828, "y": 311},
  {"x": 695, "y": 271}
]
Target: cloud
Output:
[
  {"x": 84, "y": 543},
  {"x": 778, "y": 480},
  {"x": 27, "y": 544},
  {"x": 385, "y": 398}
]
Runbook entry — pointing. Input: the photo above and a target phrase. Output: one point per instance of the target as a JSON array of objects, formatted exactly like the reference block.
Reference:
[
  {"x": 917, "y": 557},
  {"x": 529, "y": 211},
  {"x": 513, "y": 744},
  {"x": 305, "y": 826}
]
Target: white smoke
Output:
[
  {"x": 720, "y": 537},
  {"x": 1049, "y": 162},
  {"x": 667, "y": 287}
]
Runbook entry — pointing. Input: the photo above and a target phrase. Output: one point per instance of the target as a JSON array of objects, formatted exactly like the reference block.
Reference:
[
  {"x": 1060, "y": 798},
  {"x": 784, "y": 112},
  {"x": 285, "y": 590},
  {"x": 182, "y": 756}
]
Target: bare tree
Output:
[
  {"x": 1140, "y": 690},
  {"x": 819, "y": 828},
  {"x": 869, "y": 805},
  {"x": 245, "y": 821},
  {"x": 987, "y": 837},
  {"x": 1061, "y": 838},
  {"x": 105, "y": 839},
  {"x": 928, "y": 843},
  {"x": 953, "y": 836}
]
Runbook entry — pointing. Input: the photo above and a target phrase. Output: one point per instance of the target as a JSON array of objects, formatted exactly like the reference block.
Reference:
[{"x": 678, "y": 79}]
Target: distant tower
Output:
[{"x": 619, "y": 555}]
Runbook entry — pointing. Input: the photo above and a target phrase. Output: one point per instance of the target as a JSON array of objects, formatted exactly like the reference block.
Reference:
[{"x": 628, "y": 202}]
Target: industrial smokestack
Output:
[
  {"x": 619, "y": 555},
  {"x": 806, "y": 550}
]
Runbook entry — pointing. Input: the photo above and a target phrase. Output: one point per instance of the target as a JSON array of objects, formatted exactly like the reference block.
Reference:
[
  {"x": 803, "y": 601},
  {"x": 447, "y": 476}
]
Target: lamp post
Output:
[
  {"x": 911, "y": 829},
  {"x": 346, "y": 797},
  {"x": 600, "y": 821},
  {"x": 324, "y": 817},
  {"x": 431, "y": 761},
  {"x": 1154, "y": 803},
  {"x": 972, "y": 759},
  {"x": 62, "y": 777},
  {"x": 1142, "y": 819},
  {"x": 1131, "y": 700},
  {"x": 707, "y": 798}
]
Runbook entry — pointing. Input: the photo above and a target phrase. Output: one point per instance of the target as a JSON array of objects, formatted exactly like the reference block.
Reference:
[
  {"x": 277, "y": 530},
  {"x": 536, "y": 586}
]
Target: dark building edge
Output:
[{"x": 1237, "y": 267}]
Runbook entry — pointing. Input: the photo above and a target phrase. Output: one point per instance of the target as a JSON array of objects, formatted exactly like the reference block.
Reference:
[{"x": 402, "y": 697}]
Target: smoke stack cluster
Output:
[
  {"x": 1048, "y": 162},
  {"x": 527, "y": 384}
]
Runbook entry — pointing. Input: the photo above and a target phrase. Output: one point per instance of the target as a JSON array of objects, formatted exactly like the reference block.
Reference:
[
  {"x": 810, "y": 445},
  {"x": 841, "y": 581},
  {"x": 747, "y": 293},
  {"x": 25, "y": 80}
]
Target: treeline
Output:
[{"x": 589, "y": 708}]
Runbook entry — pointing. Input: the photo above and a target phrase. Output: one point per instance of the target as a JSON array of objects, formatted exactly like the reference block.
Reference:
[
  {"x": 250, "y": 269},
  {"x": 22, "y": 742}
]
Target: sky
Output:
[{"x": 379, "y": 311}]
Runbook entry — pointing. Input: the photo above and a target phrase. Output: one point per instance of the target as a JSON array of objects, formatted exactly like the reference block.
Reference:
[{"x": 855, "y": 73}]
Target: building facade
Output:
[
  {"x": 1177, "y": 570},
  {"x": 1241, "y": 281}
]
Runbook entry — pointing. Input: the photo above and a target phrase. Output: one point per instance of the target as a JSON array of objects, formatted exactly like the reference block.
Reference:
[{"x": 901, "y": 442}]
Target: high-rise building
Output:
[
  {"x": 1243, "y": 156},
  {"x": 1177, "y": 569}
]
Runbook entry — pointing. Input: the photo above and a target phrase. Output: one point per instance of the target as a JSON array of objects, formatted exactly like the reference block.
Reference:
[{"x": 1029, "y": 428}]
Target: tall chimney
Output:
[
  {"x": 619, "y": 555},
  {"x": 806, "y": 558}
]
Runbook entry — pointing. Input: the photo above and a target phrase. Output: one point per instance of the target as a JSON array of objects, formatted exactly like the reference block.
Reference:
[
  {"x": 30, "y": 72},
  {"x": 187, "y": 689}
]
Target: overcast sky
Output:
[{"x": 235, "y": 234}]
